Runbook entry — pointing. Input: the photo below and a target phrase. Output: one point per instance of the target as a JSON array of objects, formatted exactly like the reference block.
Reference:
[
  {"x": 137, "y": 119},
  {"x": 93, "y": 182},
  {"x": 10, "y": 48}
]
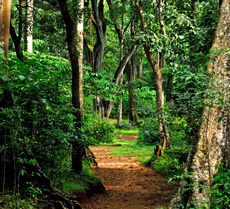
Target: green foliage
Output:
[
  {"x": 149, "y": 133},
  {"x": 146, "y": 102},
  {"x": 99, "y": 130},
  {"x": 21, "y": 202},
  {"x": 100, "y": 84},
  {"x": 169, "y": 164},
  {"x": 125, "y": 126},
  {"x": 71, "y": 182},
  {"x": 221, "y": 189}
]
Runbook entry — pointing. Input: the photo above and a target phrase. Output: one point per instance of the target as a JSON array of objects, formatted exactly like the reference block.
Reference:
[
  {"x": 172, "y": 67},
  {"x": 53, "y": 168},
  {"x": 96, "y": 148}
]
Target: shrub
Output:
[
  {"x": 99, "y": 130},
  {"x": 149, "y": 133},
  {"x": 221, "y": 190},
  {"x": 171, "y": 164}
]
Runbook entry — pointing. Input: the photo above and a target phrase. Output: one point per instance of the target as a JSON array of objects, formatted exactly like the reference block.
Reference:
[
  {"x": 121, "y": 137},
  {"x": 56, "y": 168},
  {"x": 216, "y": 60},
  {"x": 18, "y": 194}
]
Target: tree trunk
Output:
[
  {"x": 211, "y": 146},
  {"x": 164, "y": 135},
  {"x": 17, "y": 42},
  {"x": 77, "y": 91},
  {"x": 131, "y": 80},
  {"x": 117, "y": 76},
  {"x": 29, "y": 36},
  {"x": 17, "y": 39},
  {"x": 5, "y": 12},
  {"x": 139, "y": 68},
  {"x": 119, "y": 114}
]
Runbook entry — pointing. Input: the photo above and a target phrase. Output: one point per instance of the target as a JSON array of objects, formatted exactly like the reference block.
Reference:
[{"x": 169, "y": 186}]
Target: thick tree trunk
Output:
[
  {"x": 77, "y": 91},
  {"x": 164, "y": 135},
  {"x": 5, "y": 12},
  {"x": 29, "y": 36},
  {"x": 211, "y": 146}
]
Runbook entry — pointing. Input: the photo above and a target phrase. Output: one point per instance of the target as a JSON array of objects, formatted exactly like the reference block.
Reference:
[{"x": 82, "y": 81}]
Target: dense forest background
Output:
[{"x": 72, "y": 66}]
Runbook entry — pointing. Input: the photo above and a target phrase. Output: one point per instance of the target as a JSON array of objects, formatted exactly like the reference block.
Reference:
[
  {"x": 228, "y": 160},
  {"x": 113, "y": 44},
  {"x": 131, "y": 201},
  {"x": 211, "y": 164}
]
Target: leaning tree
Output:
[{"x": 211, "y": 145}]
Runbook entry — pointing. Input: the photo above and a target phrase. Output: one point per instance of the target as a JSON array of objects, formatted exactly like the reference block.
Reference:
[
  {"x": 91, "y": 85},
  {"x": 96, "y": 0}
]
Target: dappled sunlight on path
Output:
[{"x": 129, "y": 185}]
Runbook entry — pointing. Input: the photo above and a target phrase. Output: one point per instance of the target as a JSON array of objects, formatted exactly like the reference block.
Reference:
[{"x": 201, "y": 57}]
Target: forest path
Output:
[{"x": 129, "y": 184}]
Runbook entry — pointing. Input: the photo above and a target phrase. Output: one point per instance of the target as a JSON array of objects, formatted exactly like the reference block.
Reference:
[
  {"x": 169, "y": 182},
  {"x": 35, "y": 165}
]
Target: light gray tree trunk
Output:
[
  {"x": 212, "y": 143},
  {"x": 139, "y": 68},
  {"x": 119, "y": 114},
  {"x": 29, "y": 36},
  {"x": 5, "y": 13}
]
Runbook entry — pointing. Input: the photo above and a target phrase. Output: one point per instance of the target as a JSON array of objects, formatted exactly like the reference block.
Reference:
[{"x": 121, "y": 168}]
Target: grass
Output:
[
  {"x": 72, "y": 182},
  {"x": 127, "y": 132},
  {"x": 132, "y": 149},
  {"x": 143, "y": 159}
]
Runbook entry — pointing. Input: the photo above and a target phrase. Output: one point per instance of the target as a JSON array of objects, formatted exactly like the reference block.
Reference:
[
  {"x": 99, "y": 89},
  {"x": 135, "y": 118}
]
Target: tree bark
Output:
[
  {"x": 117, "y": 76},
  {"x": 77, "y": 91},
  {"x": 5, "y": 13},
  {"x": 17, "y": 42},
  {"x": 29, "y": 36},
  {"x": 119, "y": 114},
  {"x": 164, "y": 135},
  {"x": 139, "y": 68},
  {"x": 131, "y": 80},
  {"x": 211, "y": 145}
]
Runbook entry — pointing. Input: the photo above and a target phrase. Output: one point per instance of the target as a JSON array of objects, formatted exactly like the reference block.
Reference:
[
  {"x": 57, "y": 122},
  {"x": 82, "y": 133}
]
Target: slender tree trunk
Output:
[
  {"x": 119, "y": 114},
  {"x": 211, "y": 145},
  {"x": 29, "y": 36},
  {"x": 17, "y": 39},
  {"x": 164, "y": 135},
  {"x": 131, "y": 79},
  {"x": 117, "y": 76},
  {"x": 5, "y": 12},
  {"x": 76, "y": 64},
  {"x": 17, "y": 42},
  {"x": 139, "y": 68}
]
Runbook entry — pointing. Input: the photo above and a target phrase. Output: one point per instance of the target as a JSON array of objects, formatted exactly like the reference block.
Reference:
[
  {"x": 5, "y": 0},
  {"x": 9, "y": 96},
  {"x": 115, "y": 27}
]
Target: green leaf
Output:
[
  {"x": 1, "y": 51},
  {"x": 21, "y": 77},
  {"x": 5, "y": 78},
  {"x": 216, "y": 178}
]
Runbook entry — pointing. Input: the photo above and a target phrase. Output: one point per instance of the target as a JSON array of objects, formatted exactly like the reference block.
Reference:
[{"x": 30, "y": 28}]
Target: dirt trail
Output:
[{"x": 129, "y": 185}]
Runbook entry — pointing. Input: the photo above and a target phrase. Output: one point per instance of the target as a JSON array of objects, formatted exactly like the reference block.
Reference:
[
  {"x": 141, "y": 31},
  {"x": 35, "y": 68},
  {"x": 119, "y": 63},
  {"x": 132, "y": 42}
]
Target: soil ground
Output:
[{"x": 129, "y": 184}]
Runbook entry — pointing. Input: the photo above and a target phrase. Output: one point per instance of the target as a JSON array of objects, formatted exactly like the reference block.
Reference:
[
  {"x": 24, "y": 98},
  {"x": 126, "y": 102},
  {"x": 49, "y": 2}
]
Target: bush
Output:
[
  {"x": 125, "y": 126},
  {"x": 149, "y": 133},
  {"x": 99, "y": 130},
  {"x": 171, "y": 164},
  {"x": 221, "y": 190}
]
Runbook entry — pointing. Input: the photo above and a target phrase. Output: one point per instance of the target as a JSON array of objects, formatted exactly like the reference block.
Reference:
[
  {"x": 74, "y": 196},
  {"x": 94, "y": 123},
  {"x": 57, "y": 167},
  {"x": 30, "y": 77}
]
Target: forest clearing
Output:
[{"x": 114, "y": 104}]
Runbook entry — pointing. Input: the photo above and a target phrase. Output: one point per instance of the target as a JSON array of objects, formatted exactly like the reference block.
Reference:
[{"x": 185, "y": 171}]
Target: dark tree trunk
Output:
[
  {"x": 117, "y": 76},
  {"x": 211, "y": 144},
  {"x": 100, "y": 24},
  {"x": 193, "y": 5},
  {"x": 77, "y": 92},
  {"x": 17, "y": 42}
]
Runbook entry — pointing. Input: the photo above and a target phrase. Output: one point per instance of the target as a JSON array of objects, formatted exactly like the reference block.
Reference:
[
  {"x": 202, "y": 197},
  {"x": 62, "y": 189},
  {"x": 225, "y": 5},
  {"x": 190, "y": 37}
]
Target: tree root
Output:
[{"x": 59, "y": 200}]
